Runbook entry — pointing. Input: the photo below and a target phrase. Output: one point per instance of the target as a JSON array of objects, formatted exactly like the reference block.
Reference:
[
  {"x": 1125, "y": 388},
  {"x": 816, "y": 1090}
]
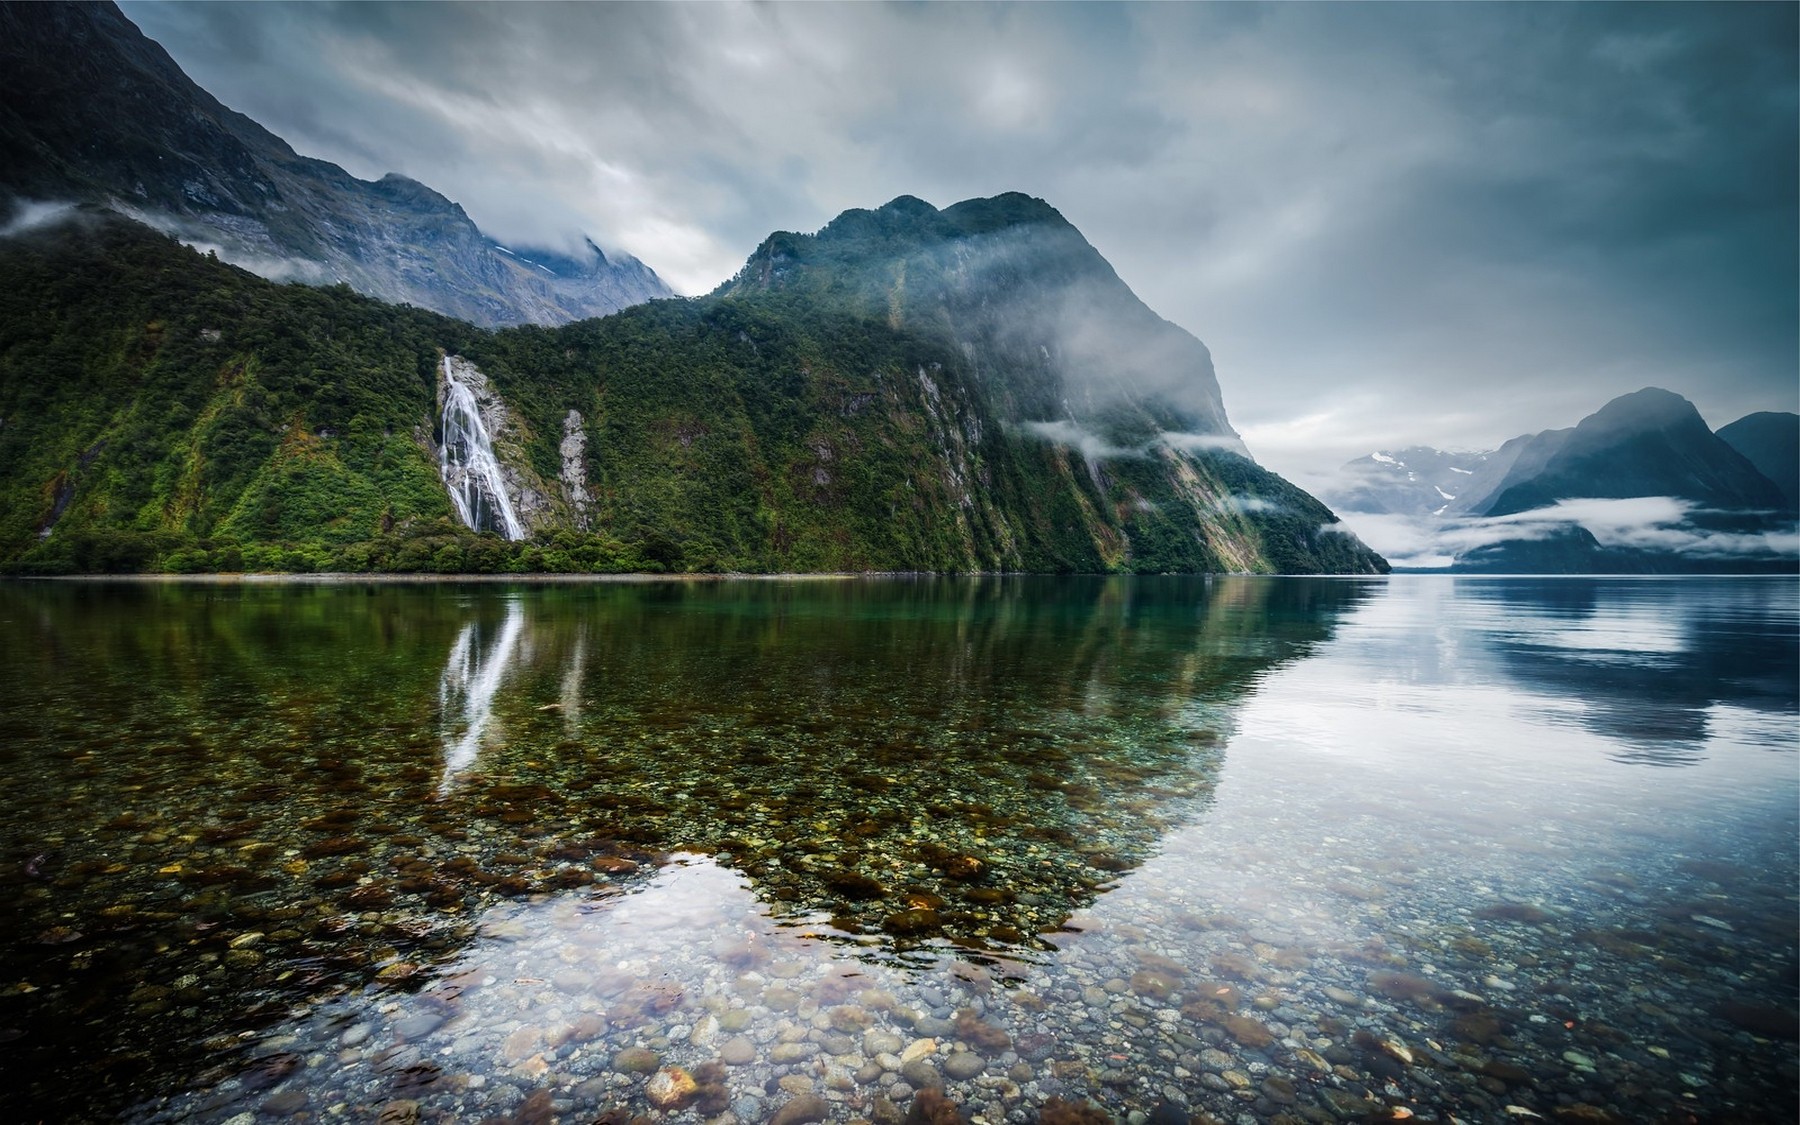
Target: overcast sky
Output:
[{"x": 1393, "y": 224}]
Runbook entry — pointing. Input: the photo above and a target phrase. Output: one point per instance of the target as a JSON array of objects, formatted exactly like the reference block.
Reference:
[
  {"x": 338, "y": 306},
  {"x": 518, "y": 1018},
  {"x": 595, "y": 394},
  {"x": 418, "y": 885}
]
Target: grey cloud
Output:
[
  {"x": 1090, "y": 445},
  {"x": 1650, "y": 523},
  {"x": 201, "y": 237},
  {"x": 1392, "y": 224},
  {"x": 30, "y": 215},
  {"x": 1191, "y": 443}
]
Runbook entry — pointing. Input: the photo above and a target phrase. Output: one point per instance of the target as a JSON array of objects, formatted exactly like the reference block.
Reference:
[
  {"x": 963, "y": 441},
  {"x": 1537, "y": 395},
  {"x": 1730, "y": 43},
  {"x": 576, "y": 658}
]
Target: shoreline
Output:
[{"x": 323, "y": 578}]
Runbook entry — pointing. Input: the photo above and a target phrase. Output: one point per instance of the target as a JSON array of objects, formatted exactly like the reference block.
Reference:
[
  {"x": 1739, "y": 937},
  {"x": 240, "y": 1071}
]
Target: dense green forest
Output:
[{"x": 163, "y": 411}]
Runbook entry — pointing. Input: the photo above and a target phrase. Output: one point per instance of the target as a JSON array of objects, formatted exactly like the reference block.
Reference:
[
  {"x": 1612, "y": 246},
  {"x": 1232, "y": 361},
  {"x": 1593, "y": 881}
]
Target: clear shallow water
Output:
[{"x": 1323, "y": 849}]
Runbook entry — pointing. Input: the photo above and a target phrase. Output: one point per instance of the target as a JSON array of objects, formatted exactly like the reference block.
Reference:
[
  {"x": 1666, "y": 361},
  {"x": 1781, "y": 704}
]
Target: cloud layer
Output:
[
  {"x": 1392, "y": 224},
  {"x": 1648, "y": 523}
]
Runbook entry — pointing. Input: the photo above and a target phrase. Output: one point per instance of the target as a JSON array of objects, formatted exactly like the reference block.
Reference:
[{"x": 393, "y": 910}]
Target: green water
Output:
[
  {"x": 311, "y": 850},
  {"x": 921, "y": 761}
]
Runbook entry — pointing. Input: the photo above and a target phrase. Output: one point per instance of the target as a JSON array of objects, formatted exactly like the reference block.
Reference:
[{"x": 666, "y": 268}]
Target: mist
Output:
[{"x": 1646, "y": 523}]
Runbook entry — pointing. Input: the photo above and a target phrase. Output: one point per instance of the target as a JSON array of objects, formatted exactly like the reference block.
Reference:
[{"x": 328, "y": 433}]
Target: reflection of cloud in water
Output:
[
  {"x": 471, "y": 677},
  {"x": 1649, "y": 662}
]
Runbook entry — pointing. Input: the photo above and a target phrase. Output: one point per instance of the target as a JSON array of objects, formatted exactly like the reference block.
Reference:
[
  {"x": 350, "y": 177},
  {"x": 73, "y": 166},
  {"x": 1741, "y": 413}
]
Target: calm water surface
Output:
[{"x": 1238, "y": 849}]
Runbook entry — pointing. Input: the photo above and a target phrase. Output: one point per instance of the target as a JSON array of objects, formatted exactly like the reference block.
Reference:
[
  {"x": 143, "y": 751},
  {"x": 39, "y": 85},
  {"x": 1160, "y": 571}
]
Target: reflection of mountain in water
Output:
[
  {"x": 190, "y": 766},
  {"x": 913, "y": 760},
  {"x": 1649, "y": 661}
]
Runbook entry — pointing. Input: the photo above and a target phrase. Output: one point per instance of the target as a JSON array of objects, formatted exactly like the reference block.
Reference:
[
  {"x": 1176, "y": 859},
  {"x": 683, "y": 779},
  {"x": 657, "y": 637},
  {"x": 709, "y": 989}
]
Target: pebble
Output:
[
  {"x": 671, "y": 1088},
  {"x": 802, "y": 1110},
  {"x": 921, "y": 1075},
  {"x": 792, "y": 1052},
  {"x": 963, "y": 1065},
  {"x": 633, "y": 1060},
  {"x": 285, "y": 1104},
  {"x": 415, "y": 1026}
]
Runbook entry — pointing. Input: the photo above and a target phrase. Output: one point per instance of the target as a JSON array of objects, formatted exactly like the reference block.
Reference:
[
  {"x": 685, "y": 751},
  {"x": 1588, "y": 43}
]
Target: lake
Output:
[{"x": 1077, "y": 849}]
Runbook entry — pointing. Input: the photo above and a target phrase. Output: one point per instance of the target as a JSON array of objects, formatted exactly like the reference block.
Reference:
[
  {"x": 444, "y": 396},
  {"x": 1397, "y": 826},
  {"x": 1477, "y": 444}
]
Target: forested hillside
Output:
[{"x": 160, "y": 410}]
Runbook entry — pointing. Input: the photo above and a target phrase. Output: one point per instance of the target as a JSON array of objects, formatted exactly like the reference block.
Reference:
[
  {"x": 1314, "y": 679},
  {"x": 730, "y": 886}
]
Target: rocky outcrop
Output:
[
  {"x": 538, "y": 504},
  {"x": 574, "y": 470},
  {"x": 91, "y": 110}
]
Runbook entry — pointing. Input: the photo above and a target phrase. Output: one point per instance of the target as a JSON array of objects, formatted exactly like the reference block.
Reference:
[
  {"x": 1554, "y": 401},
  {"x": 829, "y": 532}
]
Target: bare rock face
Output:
[
  {"x": 574, "y": 470},
  {"x": 539, "y": 505},
  {"x": 100, "y": 114}
]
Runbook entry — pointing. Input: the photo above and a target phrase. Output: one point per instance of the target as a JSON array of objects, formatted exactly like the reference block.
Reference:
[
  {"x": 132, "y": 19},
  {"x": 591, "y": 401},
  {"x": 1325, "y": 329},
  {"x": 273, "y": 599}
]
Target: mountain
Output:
[
  {"x": 1518, "y": 459},
  {"x": 1061, "y": 343},
  {"x": 1683, "y": 499},
  {"x": 1648, "y": 443},
  {"x": 92, "y": 111},
  {"x": 909, "y": 389},
  {"x": 1770, "y": 440},
  {"x": 1416, "y": 481}
]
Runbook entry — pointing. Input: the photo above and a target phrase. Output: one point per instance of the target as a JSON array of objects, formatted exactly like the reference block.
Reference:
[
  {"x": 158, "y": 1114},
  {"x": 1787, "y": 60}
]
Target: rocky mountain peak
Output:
[{"x": 92, "y": 111}]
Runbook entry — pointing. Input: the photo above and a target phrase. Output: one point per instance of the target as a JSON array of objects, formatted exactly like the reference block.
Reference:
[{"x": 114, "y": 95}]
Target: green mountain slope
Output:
[{"x": 161, "y": 410}]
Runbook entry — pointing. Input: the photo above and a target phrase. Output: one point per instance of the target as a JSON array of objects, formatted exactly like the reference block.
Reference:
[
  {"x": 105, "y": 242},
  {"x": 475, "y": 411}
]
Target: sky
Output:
[{"x": 1393, "y": 225}]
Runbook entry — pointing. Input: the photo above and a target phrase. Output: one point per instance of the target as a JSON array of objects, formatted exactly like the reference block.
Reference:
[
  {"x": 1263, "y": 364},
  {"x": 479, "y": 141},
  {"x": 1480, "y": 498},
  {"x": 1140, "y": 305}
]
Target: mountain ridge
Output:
[
  {"x": 1769, "y": 440},
  {"x": 93, "y": 111},
  {"x": 1640, "y": 485},
  {"x": 1651, "y": 442},
  {"x": 179, "y": 414},
  {"x": 1012, "y": 284}
]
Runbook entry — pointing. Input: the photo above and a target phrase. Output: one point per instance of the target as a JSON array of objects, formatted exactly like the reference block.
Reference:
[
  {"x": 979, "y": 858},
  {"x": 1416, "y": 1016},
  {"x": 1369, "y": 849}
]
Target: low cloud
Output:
[
  {"x": 1194, "y": 443},
  {"x": 32, "y": 216},
  {"x": 1090, "y": 445},
  {"x": 1644, "y": 523},
  {"x": 1239, "y": 502},
  {"x": 199, "y": 236},
  {"x": 265, "y": 266},
  {"x": 1094, "y": 447}
]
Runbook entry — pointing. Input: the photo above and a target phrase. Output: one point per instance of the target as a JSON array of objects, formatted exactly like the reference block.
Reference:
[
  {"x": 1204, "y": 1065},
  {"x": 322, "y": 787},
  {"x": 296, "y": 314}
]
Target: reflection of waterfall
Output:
[
  {"x": 569, "y": 700},
  {"x": 466, "y": 691},
  {"x": 467, "y": 462}
]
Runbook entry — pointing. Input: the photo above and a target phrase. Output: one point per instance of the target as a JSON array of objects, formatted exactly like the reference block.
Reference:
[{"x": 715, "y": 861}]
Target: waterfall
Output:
[
  {"x": 466, "y": 691},
  {"x": 469, "y": 467}
]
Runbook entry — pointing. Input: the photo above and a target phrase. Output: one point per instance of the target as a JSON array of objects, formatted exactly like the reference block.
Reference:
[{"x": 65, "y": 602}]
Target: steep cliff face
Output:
[
  {"x": 173, "y": 412},
  {"x": 91, "y": 110},
  {"x": 486, "y": 459},
  {"x": 1115, "y": 409},
  {"x": 1033, "y": 310}
]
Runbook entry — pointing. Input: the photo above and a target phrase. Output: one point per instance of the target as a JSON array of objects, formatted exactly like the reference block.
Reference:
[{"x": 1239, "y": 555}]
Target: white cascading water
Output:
[
  {"x": 470, "y": 470},
  {"x": 466, "y": 691}
]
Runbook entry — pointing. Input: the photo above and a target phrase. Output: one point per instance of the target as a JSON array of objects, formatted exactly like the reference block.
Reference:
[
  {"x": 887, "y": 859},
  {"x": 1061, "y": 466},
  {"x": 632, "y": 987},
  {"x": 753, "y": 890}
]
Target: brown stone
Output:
[
  {"x": 802, "y": 1110},
  {"x": 671, "y": 1088}
]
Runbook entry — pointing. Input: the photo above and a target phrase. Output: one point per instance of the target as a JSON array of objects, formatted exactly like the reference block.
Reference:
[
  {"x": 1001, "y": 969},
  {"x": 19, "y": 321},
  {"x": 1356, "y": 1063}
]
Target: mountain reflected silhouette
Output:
[
  {"x": 286, "y": 791},
  {"x": 914, "y": 761},
  {"x": 1649, "y": 661}
]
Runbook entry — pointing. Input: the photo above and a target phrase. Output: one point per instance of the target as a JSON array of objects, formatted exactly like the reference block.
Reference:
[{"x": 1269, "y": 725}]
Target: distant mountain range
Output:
[
  {"x": 1557, "y": 500},
  {"x": 91, "y": 111}
]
